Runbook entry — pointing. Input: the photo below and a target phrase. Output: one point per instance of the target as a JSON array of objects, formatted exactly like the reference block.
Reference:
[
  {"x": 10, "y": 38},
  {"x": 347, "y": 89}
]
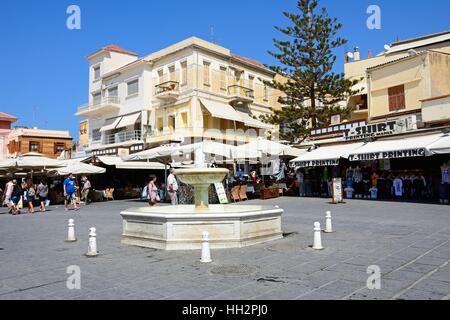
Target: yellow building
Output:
[{"x": 84, "y": 132}]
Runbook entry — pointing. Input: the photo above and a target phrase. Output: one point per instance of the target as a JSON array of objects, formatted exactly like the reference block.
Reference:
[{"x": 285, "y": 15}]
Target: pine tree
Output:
[{"x": 306, "y": 63}]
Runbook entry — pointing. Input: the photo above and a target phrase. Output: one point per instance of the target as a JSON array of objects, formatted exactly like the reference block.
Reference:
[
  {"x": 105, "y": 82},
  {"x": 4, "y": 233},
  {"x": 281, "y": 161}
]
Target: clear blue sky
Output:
[{"x": 43, "y": 63}]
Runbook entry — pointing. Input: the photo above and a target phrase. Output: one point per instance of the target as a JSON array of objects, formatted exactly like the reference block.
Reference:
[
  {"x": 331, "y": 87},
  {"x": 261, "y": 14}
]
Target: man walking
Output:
[
  {"x": 86, "y": 188},
  {"x": 8, "y": 194},
  {"x": 172, "y": 187},
  {"x": 69, "y": 192}
]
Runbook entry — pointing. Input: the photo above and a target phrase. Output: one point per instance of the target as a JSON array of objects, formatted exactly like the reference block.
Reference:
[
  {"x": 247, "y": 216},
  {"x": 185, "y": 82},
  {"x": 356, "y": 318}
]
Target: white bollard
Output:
[
  {"x": 317, "y": 245},
  {"x": 206, "y": 252},
  {"x": 71, "y": 232},
  {"x": 328, "y": 224},
  {"x": 92, "y": 250}
]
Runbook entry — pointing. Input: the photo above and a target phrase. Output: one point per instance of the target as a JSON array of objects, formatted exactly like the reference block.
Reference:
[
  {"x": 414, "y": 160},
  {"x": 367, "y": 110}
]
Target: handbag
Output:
[{"x": 158, "y": 198}]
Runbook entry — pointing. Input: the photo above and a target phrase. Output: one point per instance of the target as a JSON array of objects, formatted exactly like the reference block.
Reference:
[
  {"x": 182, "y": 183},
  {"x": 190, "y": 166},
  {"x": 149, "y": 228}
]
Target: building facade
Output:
[
  {"x": 6, "y": 121},
  {"x": 50, "y": 143},
  {"x": 193, "y": 89}
]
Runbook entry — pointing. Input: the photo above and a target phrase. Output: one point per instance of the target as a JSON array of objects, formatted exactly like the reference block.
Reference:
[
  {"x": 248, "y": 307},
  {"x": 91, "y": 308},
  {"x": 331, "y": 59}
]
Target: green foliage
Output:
[{"x": 306, "y": 61}]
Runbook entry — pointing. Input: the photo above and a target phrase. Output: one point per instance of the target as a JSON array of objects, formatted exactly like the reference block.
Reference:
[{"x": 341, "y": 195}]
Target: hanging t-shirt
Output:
[
  {"x": 398, "y": 187},
  {"x": 374, "y": 179},
  {"x": 445, "y": 170},
  {"x": 349, "y": 192},
  {"x": 373, "y": 193}
]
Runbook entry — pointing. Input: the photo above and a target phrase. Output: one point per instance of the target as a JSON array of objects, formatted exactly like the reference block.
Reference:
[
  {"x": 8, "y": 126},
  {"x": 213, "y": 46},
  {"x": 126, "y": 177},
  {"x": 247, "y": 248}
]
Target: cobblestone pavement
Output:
[{"x": 409, "y": 242}]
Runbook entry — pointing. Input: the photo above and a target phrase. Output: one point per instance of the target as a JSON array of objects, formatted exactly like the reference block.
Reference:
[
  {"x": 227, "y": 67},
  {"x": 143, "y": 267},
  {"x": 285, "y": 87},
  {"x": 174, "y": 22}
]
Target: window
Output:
[
  {"x": 34, "y": 146},
  {"x": 97, "y": 98},
  {"x": 183, "y": 73},
  {"x": 96, "y": 135},
  {"x": 396, "y": 98},
  {"x": 59, "y": 147},
  {"x": 172, "y": 75},
  {"x": 96, "y": 73},
  {"x": 266, "y": 93},
  {"x": 161, "y": 76},
  {"x": 223, "y": 78},
  {"x": 251, "y": 81},
  {"x": 113, "y": 92},
  {"x": 172, "y": 122},
  {"x": 184, "y": 119},
  {"x": 133, "y": 87},
  {"x": 160, "y": 124},
  {"x": 206, "y": 71}
]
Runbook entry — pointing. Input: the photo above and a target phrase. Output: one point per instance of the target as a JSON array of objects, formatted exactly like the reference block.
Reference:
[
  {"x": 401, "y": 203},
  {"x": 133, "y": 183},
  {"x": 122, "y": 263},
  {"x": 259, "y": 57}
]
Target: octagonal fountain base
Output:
[{"x": 181, "y": 227}]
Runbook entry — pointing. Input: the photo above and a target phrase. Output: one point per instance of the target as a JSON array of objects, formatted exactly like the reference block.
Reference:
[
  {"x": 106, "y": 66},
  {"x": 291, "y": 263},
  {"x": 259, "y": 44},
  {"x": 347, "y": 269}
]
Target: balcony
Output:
[
  {"x": 240, "y": 95},
  {"x": 122, "y": 137},
  {"x": 100, "y": 106},
  {"x": 169, "y": 90}
]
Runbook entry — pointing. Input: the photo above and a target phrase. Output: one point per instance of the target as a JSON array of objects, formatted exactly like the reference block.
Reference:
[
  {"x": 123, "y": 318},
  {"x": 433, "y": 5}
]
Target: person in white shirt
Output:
[
  {"x": 373, "y": 193},
  {"x": 398, "y": 187},
  {"x": 8, "y": 194},
  {"x": 349, "y": 192},
  {"x": 172, "y": 187}
]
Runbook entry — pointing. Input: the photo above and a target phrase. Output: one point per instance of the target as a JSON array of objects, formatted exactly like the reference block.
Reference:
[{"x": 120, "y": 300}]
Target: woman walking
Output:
[
  {"x": 30, "y": 194},
  {"x": 152, "y": 191},
  {"x": 42, "y": 193},
  {"x": 15, "y": 197}
]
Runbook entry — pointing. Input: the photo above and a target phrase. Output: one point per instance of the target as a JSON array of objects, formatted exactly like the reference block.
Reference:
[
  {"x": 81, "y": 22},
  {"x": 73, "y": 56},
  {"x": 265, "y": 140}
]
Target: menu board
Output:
[
  {"x": 221, "y": 194},
  {"x": 337, "y": 196}
]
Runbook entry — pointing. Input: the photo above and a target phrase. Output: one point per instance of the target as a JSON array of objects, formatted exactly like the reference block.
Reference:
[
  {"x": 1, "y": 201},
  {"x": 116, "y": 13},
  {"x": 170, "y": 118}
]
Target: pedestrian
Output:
[
  {"x": 172, "y": 187},
  {"x": 8, "y": 194},
  {"x": 70, "y": 188},
  {"x": 86, "y": 188},
  {"x": 301, "y": 185},
  {"x": 152, "y": 193},
  {"x": 29, "y": 194},
  {"x": 15, "y": 197},
  {"x": 42, "y": 193}
]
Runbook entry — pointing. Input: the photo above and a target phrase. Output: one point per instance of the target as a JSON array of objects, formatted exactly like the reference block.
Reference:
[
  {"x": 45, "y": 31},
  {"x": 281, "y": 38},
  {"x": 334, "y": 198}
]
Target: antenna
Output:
[{"x": 35, "y": 109}]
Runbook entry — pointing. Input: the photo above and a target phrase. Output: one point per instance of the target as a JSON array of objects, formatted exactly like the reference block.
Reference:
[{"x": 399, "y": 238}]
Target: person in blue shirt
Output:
[{"x": 70, "y": 192}]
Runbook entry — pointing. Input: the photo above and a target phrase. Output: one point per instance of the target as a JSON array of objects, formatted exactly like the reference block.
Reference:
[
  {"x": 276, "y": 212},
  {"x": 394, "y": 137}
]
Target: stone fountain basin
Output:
[
  {"x": 201, "y": 176},
  {"x": 181, "y": 227}
]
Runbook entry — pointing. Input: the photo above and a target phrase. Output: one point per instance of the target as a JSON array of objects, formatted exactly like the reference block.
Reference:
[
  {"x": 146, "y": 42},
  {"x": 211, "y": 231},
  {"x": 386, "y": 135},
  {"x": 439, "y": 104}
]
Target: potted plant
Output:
[{"x": 270, "y": 192}]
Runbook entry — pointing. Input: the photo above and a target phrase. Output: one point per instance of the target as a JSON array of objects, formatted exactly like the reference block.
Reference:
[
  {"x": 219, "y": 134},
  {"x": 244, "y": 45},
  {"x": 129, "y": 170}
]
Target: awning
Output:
[
  {"x": 112, "y": 125},
  {"x": 395, "y": 148},
  {"x": 441, "y": 146},
  {"x": 325, "y": 156},
  {"x": 128, "y": 120},
  {"x": 221, "y": 110},
  {"x": 120, "y": 164},
  {"x": 250, "y": 122}
]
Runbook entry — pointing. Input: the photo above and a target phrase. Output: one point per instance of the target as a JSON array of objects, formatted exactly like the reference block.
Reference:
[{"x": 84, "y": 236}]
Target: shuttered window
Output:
[
  {"x": 133, "y": 87},
  {"x": 396, "y": 98}
]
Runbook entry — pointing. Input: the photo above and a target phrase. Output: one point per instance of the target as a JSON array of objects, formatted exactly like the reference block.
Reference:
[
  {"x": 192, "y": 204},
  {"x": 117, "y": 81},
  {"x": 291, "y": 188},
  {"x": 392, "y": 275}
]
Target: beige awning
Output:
[
  {"x": 112, "y": 125},
  {"x": 250, "y": 122},
  {"x": 128, "y": 120},
  {"x": 221, "y": 110}
]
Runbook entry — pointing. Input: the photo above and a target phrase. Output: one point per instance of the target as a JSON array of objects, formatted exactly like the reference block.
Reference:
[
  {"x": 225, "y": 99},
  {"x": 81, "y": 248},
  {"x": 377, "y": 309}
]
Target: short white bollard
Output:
[
  {"x": 92, "y": 250},
  {"x": 206, "y": 252},
  {"x": 317, "y": 245},
  {"x": 71, "y": 231},
  {"x": 328, "y": 224}
]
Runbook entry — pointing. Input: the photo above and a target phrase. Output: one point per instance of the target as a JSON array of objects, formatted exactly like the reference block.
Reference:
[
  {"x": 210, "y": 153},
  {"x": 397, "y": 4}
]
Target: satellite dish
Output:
[
  {"x": 387, "y": 47},
  {"x": 350, "y": 55}
]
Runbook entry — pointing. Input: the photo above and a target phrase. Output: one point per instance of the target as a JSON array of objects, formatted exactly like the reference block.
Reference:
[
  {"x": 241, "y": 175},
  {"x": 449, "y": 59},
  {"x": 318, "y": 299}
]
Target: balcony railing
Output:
[
  {"x": 98, "y": 104},
  {"x": 183, "y": 133},
  {"x": 123, "y": 136},
  {"x": 167, "y": 88},
  {"x": 238, "y": 93}
]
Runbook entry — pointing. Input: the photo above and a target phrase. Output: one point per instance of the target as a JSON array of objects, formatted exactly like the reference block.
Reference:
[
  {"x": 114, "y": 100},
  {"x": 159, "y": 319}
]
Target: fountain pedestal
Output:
[{"x": 181, "y": 227}]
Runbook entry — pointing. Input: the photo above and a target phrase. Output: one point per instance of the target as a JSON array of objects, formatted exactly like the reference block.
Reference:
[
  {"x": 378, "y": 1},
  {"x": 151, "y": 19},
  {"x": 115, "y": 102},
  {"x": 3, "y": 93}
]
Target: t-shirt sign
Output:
[
  {"x": 221, "y": 194},
  {"x": 70, "y": 185},
  {"x": 337, "y": 190},
  {"x": 420, "y": 152}
]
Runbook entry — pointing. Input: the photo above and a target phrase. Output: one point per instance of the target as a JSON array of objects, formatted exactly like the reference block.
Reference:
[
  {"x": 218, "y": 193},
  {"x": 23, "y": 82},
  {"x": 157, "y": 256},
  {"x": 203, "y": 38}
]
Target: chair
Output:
[
  {"x": 109, "y": 194},
  {"x": 243, "y": 193},
  {"x": 235, "y": 193}
]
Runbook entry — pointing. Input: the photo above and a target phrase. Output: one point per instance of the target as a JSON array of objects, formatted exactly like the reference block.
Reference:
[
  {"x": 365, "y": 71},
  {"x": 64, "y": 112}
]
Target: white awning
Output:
[
  {"x": 441, "y": 146},
  {"x": 121, "y": 164},
  {"x": 395, "y": 148},
  {"x": 112, "y": 125},
  {"x": 221, "y": 110},
  {"x": 250, "y": 122},
  {"x": 128, "y": 120},
  {"x": 325, "y": 156}
]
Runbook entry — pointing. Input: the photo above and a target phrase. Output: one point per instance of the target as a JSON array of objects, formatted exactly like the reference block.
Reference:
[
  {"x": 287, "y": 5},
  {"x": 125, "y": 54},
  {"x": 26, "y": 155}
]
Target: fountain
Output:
[{"x": 181, "y": 227}]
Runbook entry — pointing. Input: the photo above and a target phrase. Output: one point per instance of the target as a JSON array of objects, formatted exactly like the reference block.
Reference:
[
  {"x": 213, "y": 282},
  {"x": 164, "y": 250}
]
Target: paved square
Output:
[{"x": 409, "y": 242}]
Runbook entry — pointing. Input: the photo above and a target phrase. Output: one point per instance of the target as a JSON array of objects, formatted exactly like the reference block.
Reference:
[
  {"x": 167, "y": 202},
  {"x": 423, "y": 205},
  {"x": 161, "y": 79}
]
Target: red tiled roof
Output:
[
  {"x": 116, "y": 48},
  {"x": 7, "y": 117},
  {"x": 250, "y": 61}
]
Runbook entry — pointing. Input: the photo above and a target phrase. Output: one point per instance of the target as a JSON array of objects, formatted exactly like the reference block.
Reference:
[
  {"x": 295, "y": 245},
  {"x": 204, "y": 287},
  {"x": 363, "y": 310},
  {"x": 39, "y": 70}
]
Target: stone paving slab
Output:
[{"x": 409, "y": 242}]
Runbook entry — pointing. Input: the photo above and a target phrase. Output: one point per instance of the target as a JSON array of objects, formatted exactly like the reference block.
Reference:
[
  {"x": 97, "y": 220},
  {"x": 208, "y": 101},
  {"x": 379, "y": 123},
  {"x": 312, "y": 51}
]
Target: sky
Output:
[{"x": 45, "y": 73}]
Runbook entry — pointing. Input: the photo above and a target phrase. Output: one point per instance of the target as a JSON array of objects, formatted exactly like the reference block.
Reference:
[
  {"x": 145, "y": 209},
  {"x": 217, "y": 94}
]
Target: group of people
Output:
[
  {"x": 155, "y": 194},
  {"x": 28, "y": 192}
]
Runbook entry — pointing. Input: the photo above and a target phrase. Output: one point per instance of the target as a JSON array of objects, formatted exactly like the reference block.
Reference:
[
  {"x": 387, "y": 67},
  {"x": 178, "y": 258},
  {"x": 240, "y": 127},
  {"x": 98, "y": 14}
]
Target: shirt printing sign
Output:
[
  {"x": 317, "y": 163},
  {"x": 419, "y": 152},
  {"x": 371, "y": 130}
]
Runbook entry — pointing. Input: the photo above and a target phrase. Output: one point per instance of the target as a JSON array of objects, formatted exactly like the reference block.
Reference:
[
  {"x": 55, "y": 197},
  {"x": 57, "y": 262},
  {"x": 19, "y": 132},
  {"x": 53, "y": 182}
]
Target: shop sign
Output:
[
  {"x": 419, "y": 152},
  {"x": 371, "y": 130},
  {"x": 316, "y": 163},
  {"x": 337, "y": 196},
  {"x": 221, "y": 194}
]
